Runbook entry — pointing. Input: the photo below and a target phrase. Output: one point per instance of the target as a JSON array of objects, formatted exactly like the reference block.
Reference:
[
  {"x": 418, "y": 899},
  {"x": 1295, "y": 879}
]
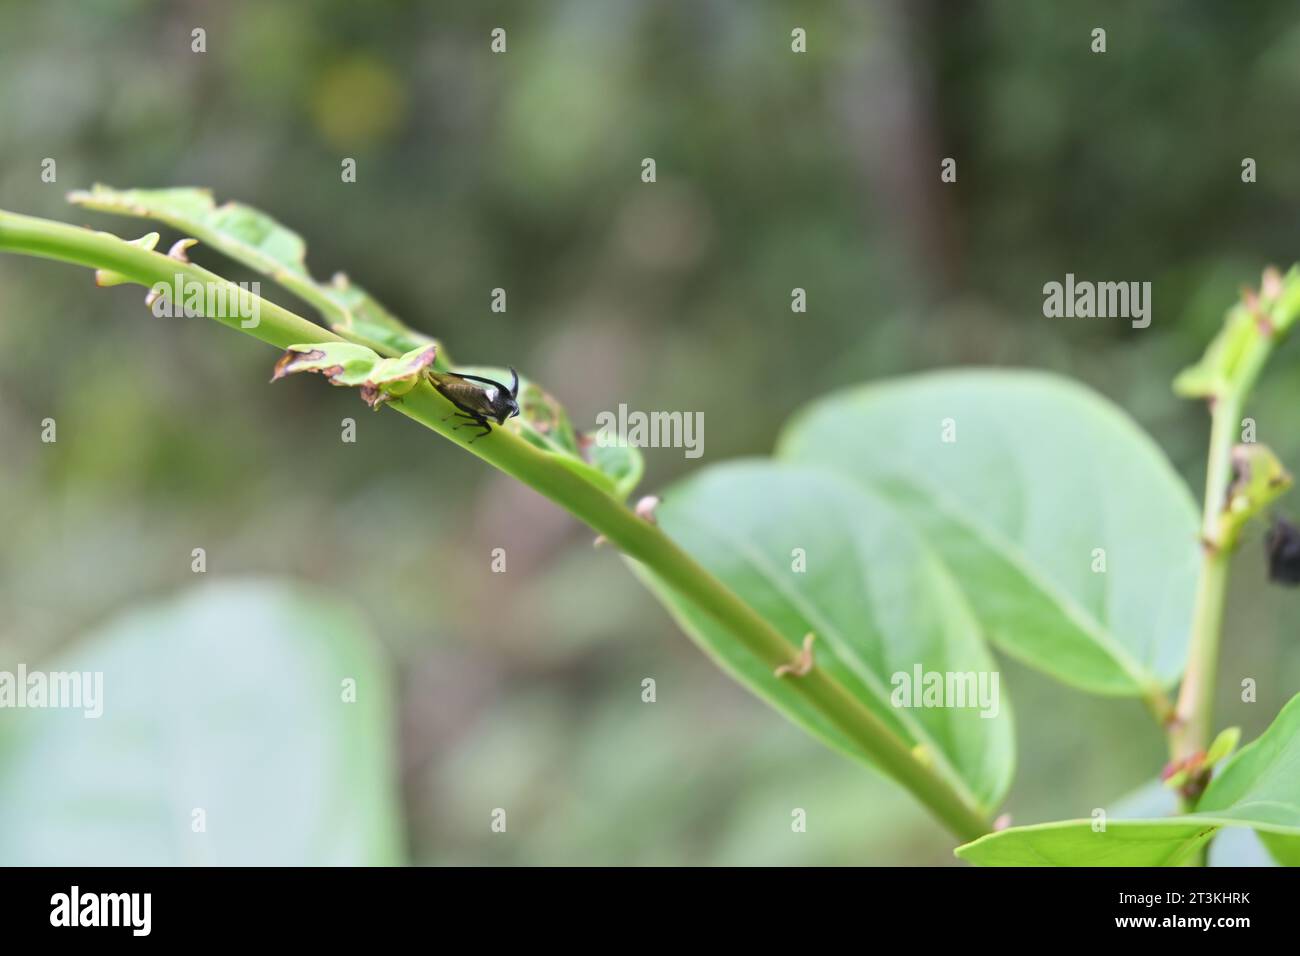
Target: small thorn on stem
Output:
[
  {"x": 803, "y": 663},
  {"x": 645, "y": 508},
  {"x": 177, "y": 251},
  {"x": 1271, "y": 284}
]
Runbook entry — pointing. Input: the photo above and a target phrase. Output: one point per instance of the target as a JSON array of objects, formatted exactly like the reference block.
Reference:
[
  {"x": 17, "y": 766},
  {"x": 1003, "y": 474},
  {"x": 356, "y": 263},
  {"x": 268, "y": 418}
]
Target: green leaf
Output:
[
  {"x": 1285, "y": 850},
  {"x": 229, "y": 700},
  {"x": 264, "y": 245},
  {"x": 1218, "y": 368},
  {"x": 876, "y": 598},
  {"x": 346, "y": 364},
  {"x": 1223, "y": 746},
  {"x": 1262, "y": 315},
  {"x": 622, "y": 464},
  {"x": 1017, "y": 479},
  {"x": 1260, "y": 784},
  {"x": 1076, "y": 843},
  {"x": 1259, "y": 479},
  {"x": 1258, "y": 788}
]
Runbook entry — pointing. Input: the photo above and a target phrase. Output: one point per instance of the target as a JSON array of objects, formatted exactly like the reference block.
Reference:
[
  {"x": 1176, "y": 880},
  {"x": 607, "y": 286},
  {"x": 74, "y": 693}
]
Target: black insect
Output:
[
  {"x": 479, "y": 403},
  {"x": 1282, "y": 545}
]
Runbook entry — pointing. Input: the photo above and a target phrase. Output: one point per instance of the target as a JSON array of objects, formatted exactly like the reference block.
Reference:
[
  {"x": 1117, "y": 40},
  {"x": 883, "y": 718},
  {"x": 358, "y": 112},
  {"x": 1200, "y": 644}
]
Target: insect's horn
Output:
[{"x": 514, "y": 382}]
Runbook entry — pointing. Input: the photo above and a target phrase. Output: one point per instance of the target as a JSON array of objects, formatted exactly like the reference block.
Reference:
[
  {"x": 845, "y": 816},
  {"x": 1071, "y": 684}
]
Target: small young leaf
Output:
[
  {"x": 1258, "y": 480},
  {"x": 1260, "y": 315},
  {"x": 347, "y": 364},
  {"x": 1223, "y": 746},
  {"x": 1214, "y": 373}
]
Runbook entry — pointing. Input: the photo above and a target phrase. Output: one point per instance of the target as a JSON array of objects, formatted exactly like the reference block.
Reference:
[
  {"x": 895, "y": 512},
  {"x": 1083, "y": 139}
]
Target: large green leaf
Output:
[
  {"x": 1041, "y": 481},
  {"x": 229, "y": 700},
  {"x": 251, "y": 237},
  {"x": 876, "y": 598},
  {"x": 1259, "y": 788}
]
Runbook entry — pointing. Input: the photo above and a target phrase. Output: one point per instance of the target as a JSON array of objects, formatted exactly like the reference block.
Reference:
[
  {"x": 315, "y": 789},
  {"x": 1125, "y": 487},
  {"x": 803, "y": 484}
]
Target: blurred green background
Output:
[{"x": 523, "y": 690}]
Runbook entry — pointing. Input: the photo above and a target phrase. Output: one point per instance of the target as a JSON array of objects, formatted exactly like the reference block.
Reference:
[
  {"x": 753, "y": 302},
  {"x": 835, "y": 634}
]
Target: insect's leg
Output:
[
  {"x": 468, "y": 419},
  {"x": 473, "y": 419},
  {"x": 487, "y": 430}
]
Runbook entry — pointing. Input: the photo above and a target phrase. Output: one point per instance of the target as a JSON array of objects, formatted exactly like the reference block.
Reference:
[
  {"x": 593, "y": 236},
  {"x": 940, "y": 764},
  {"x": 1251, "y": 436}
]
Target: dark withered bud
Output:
[{"x": 1283, "y": 547}]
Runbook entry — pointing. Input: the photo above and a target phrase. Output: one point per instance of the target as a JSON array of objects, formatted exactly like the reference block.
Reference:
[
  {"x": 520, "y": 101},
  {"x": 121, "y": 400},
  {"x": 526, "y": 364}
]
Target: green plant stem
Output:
[
  {"x": 1194, "y": 714},
  {"x": 1193, "y": 717},
  {"x": 637, "y": 537},
  {"x": 1193, "y": 720}
]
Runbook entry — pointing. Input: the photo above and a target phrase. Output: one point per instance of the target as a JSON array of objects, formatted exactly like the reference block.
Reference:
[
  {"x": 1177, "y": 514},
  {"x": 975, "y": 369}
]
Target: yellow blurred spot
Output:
[{"x": 357, "y": 102}]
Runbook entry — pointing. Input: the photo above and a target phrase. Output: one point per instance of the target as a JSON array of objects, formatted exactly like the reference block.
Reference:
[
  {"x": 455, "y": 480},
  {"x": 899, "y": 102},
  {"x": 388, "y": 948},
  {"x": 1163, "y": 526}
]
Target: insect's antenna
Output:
[{"x": 514, "y": 382}]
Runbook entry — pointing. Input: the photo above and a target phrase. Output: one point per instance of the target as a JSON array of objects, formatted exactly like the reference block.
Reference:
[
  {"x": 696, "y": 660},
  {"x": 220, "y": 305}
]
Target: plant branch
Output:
[
  {"x": 1225, "y": 377},
  {"x": 1193, "y": 718},
  {"x": 638, "y": 538}
]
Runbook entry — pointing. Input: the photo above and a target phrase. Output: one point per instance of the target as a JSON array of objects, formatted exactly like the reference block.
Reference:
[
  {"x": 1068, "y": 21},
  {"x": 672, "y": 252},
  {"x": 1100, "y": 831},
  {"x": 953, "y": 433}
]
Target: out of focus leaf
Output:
[
  {"x": 231, "y": 701},
  {"x": 1072, "y": 536}
]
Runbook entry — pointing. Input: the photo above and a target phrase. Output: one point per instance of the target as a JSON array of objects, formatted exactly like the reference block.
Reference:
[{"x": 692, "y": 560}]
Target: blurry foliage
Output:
[
  {"x": 477, "y": 171},
  {"x": 243, "y": 723}
]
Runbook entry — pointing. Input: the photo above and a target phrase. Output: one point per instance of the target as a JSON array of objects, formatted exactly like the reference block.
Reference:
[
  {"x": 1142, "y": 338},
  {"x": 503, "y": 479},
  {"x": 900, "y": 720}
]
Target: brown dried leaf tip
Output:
[
  {"x": 374, "y": 396},
  {"x": 291, "y": 361},
  {"x": 803, "y": 663},
  {"x": 346, "y": 364}
]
